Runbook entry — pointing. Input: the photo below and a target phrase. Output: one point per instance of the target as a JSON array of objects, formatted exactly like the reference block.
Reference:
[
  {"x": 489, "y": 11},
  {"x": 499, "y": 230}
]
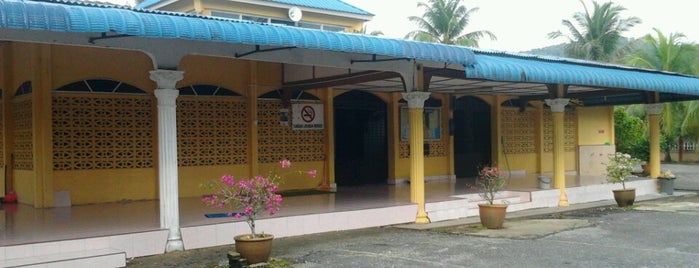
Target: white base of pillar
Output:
[{"x": 174, "y": 243}]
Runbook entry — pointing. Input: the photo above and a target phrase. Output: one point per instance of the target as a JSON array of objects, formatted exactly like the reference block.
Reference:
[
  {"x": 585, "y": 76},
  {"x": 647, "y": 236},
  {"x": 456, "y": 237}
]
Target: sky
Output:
[{"x": 521, "y": 25}]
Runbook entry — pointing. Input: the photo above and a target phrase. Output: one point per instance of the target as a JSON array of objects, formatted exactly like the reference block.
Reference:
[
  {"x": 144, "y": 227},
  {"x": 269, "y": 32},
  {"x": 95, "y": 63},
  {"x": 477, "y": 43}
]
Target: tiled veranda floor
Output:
[
  {"x": 23, "y": 224},
  {"x": 109, "y": 234}
]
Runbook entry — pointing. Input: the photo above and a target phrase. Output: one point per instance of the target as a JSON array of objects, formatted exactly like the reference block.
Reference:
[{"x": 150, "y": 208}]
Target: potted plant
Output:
[
  {"x": 667, "y": 182},
  {"x": 246, "y": 198},
  {"x": 489, "y": 182},
  {"x": 620, "y": 167}
]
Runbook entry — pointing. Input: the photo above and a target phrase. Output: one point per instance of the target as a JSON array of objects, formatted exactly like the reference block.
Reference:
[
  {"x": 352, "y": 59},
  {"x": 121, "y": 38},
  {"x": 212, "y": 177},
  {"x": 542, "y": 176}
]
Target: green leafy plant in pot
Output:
[
  {"x": 620, "y": 167},
  {"x": 252, "y": 196}
]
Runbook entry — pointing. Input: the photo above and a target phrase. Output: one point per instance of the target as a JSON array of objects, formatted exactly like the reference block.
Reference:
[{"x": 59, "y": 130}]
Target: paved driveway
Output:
[
  {"x": 657, "y": 233},
  {"x": 651, "y": 236}
]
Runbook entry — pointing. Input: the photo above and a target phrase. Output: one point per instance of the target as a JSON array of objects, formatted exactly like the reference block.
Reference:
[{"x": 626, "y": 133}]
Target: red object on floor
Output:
[{"x": 11, "y": 197}]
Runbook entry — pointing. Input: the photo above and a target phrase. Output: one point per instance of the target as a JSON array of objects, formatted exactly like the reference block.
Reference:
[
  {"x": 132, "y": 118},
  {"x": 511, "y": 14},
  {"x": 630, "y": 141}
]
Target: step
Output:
[
  {"x": 106, "y": 257},
  {"x": 467, "y": 205}
]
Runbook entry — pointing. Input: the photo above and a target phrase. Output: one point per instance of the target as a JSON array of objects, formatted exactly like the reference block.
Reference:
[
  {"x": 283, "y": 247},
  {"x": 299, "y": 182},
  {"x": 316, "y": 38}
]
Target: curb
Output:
[{"x": 535, "y": 212}]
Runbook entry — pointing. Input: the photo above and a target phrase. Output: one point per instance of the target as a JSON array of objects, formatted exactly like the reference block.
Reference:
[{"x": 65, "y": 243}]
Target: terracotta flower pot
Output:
[
  {"x": 255, "y": 250},
  {"x": 625, "y": 197},
  {"x": 492, "y": 216}
]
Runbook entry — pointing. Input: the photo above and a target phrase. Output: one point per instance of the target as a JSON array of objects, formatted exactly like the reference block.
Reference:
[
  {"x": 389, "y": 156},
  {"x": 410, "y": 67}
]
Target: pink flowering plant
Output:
[
  {"x": 489, "y": 182},
  {"x": 251, "y": 195}
]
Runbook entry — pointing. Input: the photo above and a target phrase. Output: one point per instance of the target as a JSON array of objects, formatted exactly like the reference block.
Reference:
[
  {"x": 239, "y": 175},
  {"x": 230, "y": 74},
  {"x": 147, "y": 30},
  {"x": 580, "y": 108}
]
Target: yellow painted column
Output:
[
  {"x": 41, "y": 117},
  {"x": 5, "y": 73},
  {"x": 416, "y": 103},
  {"x": 654, "y": 111},
  {"x": 328, "y": 182},
  {"x": 559, "y": 176},
  {"x": 254, "y": 163},
  {"x": 393, "y": 134},
  {"x": 451, "y": 168}
]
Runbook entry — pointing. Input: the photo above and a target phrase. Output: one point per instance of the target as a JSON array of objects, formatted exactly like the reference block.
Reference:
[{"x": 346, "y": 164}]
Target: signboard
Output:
[
  {"x": 431, "y": 124},
  {"x": 307, "y": 116}
]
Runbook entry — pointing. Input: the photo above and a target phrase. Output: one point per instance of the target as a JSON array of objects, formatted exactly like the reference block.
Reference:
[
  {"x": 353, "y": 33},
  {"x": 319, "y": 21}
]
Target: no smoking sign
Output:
[{"x": 307, "y": 116}]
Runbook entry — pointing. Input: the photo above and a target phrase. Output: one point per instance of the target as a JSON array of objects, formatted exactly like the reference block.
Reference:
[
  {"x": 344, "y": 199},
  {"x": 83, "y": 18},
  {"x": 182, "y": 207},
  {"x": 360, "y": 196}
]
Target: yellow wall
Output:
[
  {"x": 296, "y": 177},
  {"x": 527, "y": 162},
  {"x": 191, "y": 177},
  {"x": 25, "y": 184},
  {"x": 72, "y": 64},
  {"x": 594, "y": 126},
  {"x": 228, "y": 73},
  {"x": 98, "y": 186}
]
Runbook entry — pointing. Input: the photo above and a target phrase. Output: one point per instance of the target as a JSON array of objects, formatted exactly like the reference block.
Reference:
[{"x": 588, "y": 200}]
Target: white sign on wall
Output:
[{"x": 307, "y": 116}]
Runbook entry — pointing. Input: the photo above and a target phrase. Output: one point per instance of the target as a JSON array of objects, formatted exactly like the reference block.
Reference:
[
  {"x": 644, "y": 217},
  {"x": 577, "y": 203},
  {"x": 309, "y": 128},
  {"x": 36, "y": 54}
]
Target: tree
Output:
[
  {"x": 445, "y": 21},
  {"x": 629, "y": 134},
  {"x": 669, "y": 53},
  {"x": 599, "y": 32}
]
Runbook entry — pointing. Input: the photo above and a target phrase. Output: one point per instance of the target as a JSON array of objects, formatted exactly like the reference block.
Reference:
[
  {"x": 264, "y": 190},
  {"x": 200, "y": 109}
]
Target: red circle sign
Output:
[{"x": 308, "y": 114}]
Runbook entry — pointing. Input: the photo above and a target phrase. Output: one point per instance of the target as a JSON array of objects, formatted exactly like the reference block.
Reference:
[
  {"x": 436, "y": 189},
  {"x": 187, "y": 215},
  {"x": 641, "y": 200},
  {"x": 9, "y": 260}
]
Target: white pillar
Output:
[{"x": 166, "y": 93}]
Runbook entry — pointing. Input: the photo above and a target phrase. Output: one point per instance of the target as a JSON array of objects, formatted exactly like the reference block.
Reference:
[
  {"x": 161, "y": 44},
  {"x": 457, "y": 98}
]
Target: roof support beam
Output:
[
  {"x": 339, "y": 80},
  {"x": 258, "y": 50},
  {"x": 92, "y": 40},
  {"x": 557, "y": 90}
]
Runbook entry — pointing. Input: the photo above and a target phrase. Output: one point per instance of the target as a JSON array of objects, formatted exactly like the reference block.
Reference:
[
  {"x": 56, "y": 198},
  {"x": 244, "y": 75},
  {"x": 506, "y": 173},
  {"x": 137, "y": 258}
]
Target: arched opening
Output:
[
  {"x": 361, "y": 155},
  {"x": 472, "y": 142}
]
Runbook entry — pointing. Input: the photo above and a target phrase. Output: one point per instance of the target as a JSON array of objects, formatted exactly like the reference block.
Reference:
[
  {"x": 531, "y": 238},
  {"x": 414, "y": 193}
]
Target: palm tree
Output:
[
  {"x": 599, "y": 32},
  {"x": 669, "y": 53},
  {"x": 444, "y": 21}
]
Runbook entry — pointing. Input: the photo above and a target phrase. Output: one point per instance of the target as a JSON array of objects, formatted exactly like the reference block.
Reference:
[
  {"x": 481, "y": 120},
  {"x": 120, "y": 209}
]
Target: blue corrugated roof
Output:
[
  {"x": 332, "y": 5},
  {"x": 97, "y": 18},
  {"x": 503, "y": 66},
  {"x": 60, "y": 16}
]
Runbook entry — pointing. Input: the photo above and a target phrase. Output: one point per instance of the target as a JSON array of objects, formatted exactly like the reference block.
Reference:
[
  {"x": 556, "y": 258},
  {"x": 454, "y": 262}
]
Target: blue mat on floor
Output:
[{"x": 222, "y": 215}]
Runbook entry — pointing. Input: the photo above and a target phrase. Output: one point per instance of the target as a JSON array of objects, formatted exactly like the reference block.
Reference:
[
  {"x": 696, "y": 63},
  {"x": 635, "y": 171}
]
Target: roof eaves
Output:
[{"x": 78, "y": 16}]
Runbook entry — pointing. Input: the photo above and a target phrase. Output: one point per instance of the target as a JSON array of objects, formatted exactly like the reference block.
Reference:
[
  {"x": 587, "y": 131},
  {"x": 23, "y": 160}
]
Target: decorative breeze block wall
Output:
[
  {"x": 277, "y": 142},
  {"x": 23, "y": 155},
  {"x": 212, "y": 131},
  {"x": 103, "y": 131}
]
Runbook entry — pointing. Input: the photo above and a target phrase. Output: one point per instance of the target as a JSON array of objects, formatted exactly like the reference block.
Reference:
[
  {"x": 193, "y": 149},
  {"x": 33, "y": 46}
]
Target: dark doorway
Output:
[
  {"x": 361, "y": 155},
  {"x": 472, "y": 142}
]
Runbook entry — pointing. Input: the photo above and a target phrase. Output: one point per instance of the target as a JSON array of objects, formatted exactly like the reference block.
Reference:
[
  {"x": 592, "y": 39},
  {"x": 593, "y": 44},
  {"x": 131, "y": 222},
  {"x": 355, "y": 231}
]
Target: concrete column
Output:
[
  {"x": 166, "y": 93},
  {"x": 559, "y": 176},
  {"x": 253, "y": 135},
  {"x": 328, "y": 182},
  {"x": 416, "y": 104},
  {"x": 654, "y": 111}
]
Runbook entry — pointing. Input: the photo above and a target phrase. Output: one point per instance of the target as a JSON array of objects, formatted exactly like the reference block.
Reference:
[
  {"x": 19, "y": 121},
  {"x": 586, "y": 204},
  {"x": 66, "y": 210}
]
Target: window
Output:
[
  {"x": 332, "y": 28},
  {"x": 260, "y": 19},
  {"x": 206, "y": 90},
  {"x": 101, "y": 86},
  {"x": 256, "y": 19},
  {"x": 282, "y": 22},
  {"x": 310, "y": 25},
  {"x": 224, "y": 14}
]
